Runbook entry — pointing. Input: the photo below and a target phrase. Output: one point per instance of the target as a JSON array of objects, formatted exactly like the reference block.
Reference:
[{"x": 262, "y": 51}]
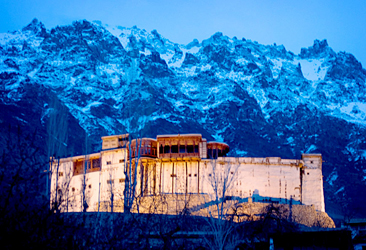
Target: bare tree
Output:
[
  {"x": 64, "y": 193},
  {"x": 84, "y": 198},
  {"x": 57, "y": 143},
  {"x": 60, "y": 197},
  {"x": 221, "y": 214},
  {"x": 131, "y": 169}
]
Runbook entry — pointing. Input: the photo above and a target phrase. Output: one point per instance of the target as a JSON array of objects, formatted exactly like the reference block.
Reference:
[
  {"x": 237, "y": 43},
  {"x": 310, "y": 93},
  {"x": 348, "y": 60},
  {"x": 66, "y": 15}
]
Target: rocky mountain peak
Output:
[
  {"x": 319, "y": 49},
  {"x": 36, "y": 27},
  {"x": 260, "y": 99},
  {"x": 346, "y": 66},
  {"x": 216, "y": 39},
  {"x": 194, "y": 43}
]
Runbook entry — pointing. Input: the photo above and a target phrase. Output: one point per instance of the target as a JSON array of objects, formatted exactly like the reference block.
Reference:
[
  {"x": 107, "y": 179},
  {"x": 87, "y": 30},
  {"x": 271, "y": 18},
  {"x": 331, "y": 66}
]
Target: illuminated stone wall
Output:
[{"x": 270, "y": 179}]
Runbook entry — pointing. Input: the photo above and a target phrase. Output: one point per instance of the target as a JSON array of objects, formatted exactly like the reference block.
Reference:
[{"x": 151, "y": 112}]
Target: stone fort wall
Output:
[{"x": 101, "y": 179}]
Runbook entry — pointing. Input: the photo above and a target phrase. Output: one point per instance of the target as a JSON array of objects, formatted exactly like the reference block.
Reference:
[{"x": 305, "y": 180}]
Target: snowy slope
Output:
[{"x": 261, "y": 99}]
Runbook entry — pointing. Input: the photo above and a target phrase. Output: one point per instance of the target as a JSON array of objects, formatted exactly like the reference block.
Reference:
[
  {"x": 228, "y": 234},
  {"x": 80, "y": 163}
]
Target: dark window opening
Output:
[
  {"x": 182, "y": 149},
  {"x": 121, "y": 160},
  {"x": 196, "y": 148},
  {"x": 121, "y": 180},
  {"x": 214, "y": 153},
  {"x": 161, "y": 149},
  {"x": 109, "y": 162},
  {"x": 190, "y": 149},
  {"x": 209, "y": 153},
  {"x": 73, "y": 189},
  {"x": 166, "y": 149},
  {"x": 60, "y": 174},
  {"x": 89, "y": 186},
  {"x": 174, "y": 149},
  {"x": 220, "y": 153}
]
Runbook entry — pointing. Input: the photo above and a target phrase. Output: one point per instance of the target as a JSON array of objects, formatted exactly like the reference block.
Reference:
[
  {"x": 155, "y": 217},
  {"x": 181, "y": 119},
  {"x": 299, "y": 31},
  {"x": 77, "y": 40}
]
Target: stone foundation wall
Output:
[{"x": 239, "y": 211}]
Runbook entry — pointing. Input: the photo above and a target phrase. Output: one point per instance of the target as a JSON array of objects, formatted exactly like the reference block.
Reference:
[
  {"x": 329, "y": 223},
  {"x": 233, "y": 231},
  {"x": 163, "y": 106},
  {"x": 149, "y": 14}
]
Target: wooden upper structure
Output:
[{"x": 168, "y": 147}]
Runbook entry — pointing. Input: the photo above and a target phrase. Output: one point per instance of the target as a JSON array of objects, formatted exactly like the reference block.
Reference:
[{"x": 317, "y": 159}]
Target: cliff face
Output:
[{"x": 260, "y": 99}]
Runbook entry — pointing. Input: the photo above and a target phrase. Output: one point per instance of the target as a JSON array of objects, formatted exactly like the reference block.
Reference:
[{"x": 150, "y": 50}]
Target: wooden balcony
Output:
[
  {"x": 179, "y": 155},
  {"x": 144, "y": 147},
  {"x": 144, "y": 152},
  {"x": 93, "y": 165}
]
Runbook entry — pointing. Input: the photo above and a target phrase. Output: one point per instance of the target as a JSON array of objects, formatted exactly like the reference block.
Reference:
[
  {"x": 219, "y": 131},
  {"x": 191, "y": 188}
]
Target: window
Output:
[
  {"x": 214, "y": 153},
  {"x": 209, "y": 153},
  {"x": 78, "y": 167},
  {"x": 166, "y": 149},
  {"x": 96, "y": 163},
  {"x": 73, "y": 189},
  {"x": 182, "y": 149},
  {"x": 89, "y": 186},
  {"x": 109, "y": 162},
  {"x": 311, "y": 162},
  {"x": 174, "y": 148},
  {"x": 173, "y": 175},
  {"x": 121, "y": 180},
  {"x": 121, "y": 160},
  {"x": 195, "y": 175},
  {"x": 60, "y": 174},
  {"x": 196, "y": 148},
  {"x": 190, "y": 149},
  {"x": 110, "y": 181},
  {"x": 189, "y": 175}
]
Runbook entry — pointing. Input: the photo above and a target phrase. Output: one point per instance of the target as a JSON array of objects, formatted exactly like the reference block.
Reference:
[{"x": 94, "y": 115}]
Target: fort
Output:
[{"x": 181, "y": 165}]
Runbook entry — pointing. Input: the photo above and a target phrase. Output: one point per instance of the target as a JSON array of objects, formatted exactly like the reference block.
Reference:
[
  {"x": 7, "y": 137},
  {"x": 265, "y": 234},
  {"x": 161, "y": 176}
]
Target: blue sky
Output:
[{"x": 295, "y": 24}]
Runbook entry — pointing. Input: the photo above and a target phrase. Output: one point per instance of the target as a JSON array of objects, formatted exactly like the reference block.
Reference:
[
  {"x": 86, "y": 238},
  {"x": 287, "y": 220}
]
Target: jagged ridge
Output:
[{"x": 261, "y": 99}]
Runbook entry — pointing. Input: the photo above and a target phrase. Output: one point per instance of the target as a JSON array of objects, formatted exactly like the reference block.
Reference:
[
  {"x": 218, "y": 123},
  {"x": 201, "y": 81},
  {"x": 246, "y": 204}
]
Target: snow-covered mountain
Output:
[{"x": 260, "y": 99}]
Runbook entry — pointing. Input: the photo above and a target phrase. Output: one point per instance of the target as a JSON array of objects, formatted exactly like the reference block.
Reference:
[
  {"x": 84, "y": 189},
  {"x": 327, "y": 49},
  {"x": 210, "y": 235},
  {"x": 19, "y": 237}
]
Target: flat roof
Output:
[
  {"x": 178, "y": 135},
  {"x": 144, "y": 138},
  {"x": 217, "y": 142},
  {"x": 79, "y": 157},
  {"x": 112, "y": 136}
]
